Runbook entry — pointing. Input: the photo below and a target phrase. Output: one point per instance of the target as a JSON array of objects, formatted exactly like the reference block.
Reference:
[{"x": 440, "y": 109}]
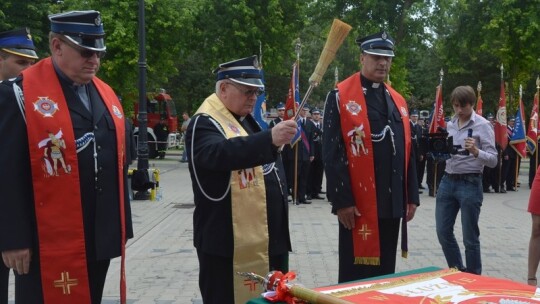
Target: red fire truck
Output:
[{"x": 158, "y": 105}]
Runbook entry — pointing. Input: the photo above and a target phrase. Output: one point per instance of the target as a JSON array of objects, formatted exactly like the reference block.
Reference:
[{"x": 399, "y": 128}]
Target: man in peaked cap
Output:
[
  {"x": 280, "y": 113},
  {"x": 366, "y": 125},
  {"x": 240, "y": 222},
  {"x": 17, "y": 52},
  {"x": 316, "y": 170},
  {"x": 416, "y": 132},
  {"x": 67, "y": 209}
]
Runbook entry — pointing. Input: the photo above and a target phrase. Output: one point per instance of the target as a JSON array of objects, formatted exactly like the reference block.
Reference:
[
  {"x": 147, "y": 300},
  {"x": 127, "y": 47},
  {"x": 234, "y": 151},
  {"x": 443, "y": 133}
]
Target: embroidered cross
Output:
[
  {"x": 252, "y": 284},
  {"x": 65, "y": 282},
  {"x": 364, "y": 232}
]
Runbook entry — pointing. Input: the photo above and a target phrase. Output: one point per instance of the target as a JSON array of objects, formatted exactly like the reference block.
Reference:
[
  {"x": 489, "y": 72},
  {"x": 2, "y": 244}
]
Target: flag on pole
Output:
[
  {"x": 517, "y": 139},
  {"x": 501, "y": 136},
  {"x": 437, "y": 117},
  {"x": 293, "y": 102},
  {"x": 259, "y": 110},
  {"x": 479, "y": 102},
  {"x": 293, "y": 98},
  {"x": 532, "y": 133}
]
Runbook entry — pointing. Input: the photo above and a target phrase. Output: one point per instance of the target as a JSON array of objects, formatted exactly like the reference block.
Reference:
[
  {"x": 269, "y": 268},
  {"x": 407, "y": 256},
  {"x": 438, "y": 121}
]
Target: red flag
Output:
[
  {"x": 501, "y": 135},
  {"x": 437, "y": 118},
  {"x": 532, "y": 133},
  {"x": 479, "y": 105},
  {"x": 293, "y": 98}
]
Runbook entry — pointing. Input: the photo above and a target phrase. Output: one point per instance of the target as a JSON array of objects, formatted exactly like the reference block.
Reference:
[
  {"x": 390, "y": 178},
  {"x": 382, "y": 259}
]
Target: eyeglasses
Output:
[
  {"x": 248, "y": 92},
  {"x": 85, "y": 53}
]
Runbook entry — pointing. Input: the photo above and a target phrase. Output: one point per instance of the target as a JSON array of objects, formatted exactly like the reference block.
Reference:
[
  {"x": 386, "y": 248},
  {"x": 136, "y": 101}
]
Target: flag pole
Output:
[
  {"x": 436, "y": 163},
  {"x": 516, "y": 171},
  {"x": 298, "y": 51},
  {"x": 500, "y": 154},
  {"x": 536, "y": 150},
  {"x": 479, "y": 107}
]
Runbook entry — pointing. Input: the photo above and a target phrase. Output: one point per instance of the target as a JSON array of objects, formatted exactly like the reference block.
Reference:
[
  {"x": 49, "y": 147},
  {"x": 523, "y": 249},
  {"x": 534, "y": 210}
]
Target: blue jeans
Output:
[{"x": 463, "y": 193}]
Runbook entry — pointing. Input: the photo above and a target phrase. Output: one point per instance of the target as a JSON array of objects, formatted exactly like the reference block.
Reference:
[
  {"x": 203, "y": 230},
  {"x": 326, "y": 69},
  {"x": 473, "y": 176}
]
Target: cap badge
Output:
[
  {"x": 45, "y": 106},
  {"x": 353, "y": 107},
  {"x": 98, "y": 21},
  {"x": 384, "y": 36}
]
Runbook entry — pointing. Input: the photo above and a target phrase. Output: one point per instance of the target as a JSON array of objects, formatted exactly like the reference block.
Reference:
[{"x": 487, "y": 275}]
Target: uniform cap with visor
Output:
[
  {"x": 82, "y": 28},
  {"x": 18, "y": 42},
  {"x": 380, "y": 44},
  {"x": 243, "y": 71}
]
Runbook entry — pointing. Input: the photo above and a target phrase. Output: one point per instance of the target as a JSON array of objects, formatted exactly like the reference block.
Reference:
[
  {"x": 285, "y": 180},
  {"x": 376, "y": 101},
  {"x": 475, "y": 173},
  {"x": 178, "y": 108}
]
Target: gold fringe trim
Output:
[
  {"x": 404, "y": 254},
  {"x": 367, "y": 260}
]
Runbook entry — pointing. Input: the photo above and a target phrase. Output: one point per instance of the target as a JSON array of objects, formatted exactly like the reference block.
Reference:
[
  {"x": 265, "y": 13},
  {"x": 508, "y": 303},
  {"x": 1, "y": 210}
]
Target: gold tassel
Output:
[
  {"x": 367, "y": 260},
  {"x": 404, "y": 254}
]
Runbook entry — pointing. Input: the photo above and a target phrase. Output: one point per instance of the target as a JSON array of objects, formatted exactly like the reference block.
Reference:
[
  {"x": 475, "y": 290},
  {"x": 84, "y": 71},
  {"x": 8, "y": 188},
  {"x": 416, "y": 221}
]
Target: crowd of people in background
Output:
[{"x": 302, "y": 159}]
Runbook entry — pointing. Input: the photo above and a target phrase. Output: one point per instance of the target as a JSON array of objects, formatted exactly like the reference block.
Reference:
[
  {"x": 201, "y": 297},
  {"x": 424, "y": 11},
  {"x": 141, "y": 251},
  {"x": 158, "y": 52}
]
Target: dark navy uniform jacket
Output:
[
  {"x": 99, "y": 192},
  {"x": 389, "y": 168},
  {"x": 215, "y": 157}
]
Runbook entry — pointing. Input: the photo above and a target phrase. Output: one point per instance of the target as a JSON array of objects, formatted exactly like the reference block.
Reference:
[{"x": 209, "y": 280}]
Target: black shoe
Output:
[
  {"x": 511, "y": 189},
  {"x": 487, "y": 191},
  {"x": 308, "y": 197},
  {"x": 420, "y": 191},
  {"x": 305, "y": 202},
  {"x": 502, "y": 190},
  {"x": 421, "y": 187},
  {"x": 431, "y": 193},
  {"x": 316, "y": 197},
  {"x": 322, "y": 192}
]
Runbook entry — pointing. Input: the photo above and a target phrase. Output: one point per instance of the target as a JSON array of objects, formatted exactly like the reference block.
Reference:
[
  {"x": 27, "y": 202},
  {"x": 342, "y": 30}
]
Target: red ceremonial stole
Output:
[
  {"x": 55, "y": 177},
  {"x": 356, "y": 134}
]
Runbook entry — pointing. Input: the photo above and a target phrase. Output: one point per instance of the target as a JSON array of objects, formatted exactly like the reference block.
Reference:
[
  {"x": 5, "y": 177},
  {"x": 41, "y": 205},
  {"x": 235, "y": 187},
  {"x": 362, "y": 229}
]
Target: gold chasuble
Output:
[
  {"x": 248, "y": 203},
  {"x": 356, "y": 134},
  {"x": 55, "y": 177}
]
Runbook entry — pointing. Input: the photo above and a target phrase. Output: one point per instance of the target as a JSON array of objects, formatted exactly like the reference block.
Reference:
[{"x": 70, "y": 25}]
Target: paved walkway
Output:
[{"x": 162, "y": 263}]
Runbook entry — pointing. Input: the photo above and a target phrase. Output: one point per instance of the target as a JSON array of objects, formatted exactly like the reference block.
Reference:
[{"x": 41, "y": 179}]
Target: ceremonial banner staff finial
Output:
[
  {"x": 520, "y": 91},
  {"x": 441, "y": 74},
  {"x": 260, "y": 55},
  {"x": 537, "y": 82},
  {"x": 502, "y": 71},
  {"x": 298, "y": 48},
  {"x": 479, "y": 87}
]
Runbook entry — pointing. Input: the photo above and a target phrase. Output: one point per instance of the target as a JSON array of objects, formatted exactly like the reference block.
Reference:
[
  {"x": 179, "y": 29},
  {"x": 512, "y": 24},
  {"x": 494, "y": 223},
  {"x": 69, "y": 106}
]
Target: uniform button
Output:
[
  {"x": 95, "y": 127},
  {"x": 100, "y": 190},
  {"x": 99, "y": 148},
  {"x": 100, "y": 169},
  {"x": 389, "y": 121}
]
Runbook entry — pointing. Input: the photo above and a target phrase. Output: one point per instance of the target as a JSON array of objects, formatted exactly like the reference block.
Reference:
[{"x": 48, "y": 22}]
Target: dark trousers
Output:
[
  {"x": 316, "y": 172},
  {"x": 28, "y": 286},
  {"x": 509, "y": 173},
  {"x": 388, "y": 239},
  {"x": 216, "y": 276},
  {"x": 420, "y": 169},
  {"x": 430, "y": 175},
  {"x": 532, "y": 168},
  {"x": 4, "y": 282},
  {"x": 303, "y": 178}
]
